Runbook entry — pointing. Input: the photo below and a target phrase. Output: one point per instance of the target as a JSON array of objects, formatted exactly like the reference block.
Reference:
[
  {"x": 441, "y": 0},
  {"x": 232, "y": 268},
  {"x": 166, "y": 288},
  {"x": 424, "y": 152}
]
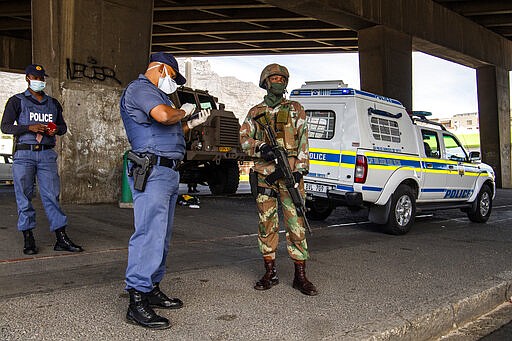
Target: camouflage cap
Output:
[{"x": 273, "y": 69}]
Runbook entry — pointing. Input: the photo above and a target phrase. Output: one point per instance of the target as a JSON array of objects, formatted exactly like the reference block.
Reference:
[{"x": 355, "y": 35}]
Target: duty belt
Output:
[
  {"x": 166, "y": 162},
  {"x": 162, "y": 161},
  {"x": 33, "y": 147}
]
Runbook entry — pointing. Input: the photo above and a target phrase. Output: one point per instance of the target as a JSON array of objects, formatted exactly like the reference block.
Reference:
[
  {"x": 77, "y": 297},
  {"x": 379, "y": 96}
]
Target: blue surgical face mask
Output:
[{"x": 36, "y": 85}]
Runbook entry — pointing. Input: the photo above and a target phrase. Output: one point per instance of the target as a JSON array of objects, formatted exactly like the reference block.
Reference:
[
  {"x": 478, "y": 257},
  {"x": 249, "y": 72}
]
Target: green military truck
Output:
[{"x": 213, "y": 149}]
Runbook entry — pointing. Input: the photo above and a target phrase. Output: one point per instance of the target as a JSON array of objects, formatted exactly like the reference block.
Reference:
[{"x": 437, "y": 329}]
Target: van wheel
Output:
[
  {"x": 402, "y": 211},
  {"x": 318, "y": 210},
  {"x": 482, "y": 207}
]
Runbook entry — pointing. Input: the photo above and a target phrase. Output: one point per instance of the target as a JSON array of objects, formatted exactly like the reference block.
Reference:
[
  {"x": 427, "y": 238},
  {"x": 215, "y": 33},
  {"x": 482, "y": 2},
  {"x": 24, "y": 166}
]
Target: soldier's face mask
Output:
[{"x": 277, "y": 88}]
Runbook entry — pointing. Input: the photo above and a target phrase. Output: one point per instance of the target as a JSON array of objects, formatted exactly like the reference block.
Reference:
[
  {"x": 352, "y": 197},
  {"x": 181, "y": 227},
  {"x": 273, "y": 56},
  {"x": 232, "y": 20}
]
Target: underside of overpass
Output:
[
  {"x": 116, "y": 37},
  {"x": 244, "y": 27}
]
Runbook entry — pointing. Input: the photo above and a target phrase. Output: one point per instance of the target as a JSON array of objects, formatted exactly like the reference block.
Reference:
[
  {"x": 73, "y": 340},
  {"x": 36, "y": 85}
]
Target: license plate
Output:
[
  {"x": 316, "y": 187},
  {"x": 224, "y": 149}
]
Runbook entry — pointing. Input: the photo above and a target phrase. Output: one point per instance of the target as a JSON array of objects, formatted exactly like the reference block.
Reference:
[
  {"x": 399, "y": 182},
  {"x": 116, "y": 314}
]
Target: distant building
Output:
[
  {"x": 465, "y": 127},
  {"x": 461, "y": 123},
  {"x": 465, "y": 123}
]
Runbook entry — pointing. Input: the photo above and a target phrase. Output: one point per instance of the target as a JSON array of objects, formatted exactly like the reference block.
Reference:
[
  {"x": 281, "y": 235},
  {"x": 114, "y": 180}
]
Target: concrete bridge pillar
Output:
[
  {"x": 91, "y": 49},
  {"x": 385, "y": 63},
  {"x": 494, "y": 118}
]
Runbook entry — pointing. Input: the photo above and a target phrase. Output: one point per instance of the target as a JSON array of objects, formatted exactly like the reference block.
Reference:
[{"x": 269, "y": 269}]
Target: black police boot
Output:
[
  {"x": 270, "y": 278},
  {"x": 140, "y": 313},
  {"x": 300, "y": 282},
  {"x": 64, "y": 243},
  {"x": 29, "y": 247},
  {"x": 157, "y": 299}
]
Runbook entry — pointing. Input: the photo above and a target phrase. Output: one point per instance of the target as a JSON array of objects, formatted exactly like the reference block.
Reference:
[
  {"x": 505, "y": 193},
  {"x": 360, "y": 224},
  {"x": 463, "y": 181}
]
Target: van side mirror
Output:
[{"x": 474, "y": 156}]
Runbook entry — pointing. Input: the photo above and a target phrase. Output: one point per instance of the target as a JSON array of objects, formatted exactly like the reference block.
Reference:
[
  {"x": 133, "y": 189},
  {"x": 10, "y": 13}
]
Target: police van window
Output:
[
  {"x": 452, "y": 149},
  {"x": 384, "y": 129},
  {"x": 206, "y": 102},
  {"x": 430, "y": 143},
  {"x": 320, "y": 124}
]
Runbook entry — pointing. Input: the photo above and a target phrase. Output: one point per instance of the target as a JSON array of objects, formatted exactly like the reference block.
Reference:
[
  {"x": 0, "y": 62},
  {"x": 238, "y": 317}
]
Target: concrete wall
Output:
[
  {"x": 91, "y": 49},
  {"x": 494, "y": 116},
  {"x": 91, "y": 152},
  {"x": 385, "y": 63}
]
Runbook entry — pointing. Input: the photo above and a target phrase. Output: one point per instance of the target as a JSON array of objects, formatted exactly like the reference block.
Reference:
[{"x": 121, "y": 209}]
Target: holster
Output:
[
  {"x": 141, "y": 168},
  {"x": 140, "y": 177}
]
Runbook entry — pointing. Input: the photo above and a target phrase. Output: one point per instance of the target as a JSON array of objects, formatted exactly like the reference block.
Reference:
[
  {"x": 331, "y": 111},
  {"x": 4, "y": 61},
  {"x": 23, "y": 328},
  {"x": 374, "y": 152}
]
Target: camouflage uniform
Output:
[{"x": 288, "y": 120}]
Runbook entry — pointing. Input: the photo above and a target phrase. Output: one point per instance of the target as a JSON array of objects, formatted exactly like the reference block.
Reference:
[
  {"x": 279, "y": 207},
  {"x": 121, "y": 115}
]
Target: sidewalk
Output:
[{"x": 372, "y": 286}]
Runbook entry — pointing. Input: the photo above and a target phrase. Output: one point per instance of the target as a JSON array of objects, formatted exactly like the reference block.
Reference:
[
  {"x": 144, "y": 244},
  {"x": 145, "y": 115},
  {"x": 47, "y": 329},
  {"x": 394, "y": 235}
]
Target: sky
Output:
[{"x": 439, "y": 86}]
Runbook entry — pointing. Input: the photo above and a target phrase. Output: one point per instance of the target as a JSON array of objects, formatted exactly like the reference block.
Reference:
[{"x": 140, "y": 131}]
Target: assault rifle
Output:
[{"x": 283, "y": 170}]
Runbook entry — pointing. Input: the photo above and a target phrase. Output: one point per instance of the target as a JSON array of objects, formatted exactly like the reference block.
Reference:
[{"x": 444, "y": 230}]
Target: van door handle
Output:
[
  {"x": 429, "y": 165},
  {"x": 450, "y": 167}
]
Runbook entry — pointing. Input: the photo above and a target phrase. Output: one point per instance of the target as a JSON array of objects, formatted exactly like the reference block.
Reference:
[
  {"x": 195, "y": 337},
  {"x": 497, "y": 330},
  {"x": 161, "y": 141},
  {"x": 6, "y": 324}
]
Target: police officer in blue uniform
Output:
[
  {"x": 38, "y": 119},
  {"x": 155, "y": 131}
]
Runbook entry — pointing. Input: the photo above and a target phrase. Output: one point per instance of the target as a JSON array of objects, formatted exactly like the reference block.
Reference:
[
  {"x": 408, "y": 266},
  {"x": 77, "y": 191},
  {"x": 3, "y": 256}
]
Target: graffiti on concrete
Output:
[{"x": 90, "y": 70}]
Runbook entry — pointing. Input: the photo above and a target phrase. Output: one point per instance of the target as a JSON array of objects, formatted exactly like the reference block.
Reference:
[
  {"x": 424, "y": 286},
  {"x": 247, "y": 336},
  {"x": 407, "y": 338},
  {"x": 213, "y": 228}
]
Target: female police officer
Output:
[{"x": 39, "y": 118}]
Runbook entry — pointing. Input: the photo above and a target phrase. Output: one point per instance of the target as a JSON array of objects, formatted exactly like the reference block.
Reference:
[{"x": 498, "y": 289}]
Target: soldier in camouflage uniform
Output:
[{"x": 288, "y": 121}]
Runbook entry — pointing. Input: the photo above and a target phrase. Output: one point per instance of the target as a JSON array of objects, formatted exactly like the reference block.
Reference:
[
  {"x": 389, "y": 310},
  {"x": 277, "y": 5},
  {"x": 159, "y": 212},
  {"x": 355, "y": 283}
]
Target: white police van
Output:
[{"x": 367, "y": 151}]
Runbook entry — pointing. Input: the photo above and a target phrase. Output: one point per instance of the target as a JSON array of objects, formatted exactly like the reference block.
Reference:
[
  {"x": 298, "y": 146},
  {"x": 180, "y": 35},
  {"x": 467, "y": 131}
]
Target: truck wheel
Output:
[
  {"x": 232, "y": 174},
  {"x": 217, "y": 180},
  {"x": 482, "y": 207},
  {"x": 402, "y": 211},
  {"x": 318, "y": 209}
]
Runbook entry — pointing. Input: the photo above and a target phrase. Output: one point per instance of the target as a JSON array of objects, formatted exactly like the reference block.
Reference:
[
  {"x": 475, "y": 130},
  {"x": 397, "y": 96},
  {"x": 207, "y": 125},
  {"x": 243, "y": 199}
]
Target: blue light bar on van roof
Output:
[{"x": 339, "y": 92}]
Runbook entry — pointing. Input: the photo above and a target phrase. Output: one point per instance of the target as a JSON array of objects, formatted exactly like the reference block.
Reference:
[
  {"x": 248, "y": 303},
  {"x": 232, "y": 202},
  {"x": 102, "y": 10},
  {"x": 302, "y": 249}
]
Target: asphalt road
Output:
[{"x": 372, "y": 285}]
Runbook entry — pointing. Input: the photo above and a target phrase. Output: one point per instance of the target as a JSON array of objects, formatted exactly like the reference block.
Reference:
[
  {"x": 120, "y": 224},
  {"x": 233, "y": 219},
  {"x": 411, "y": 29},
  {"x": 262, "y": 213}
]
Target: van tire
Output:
[
  {"x": 482, "y": 206},
  {"x": 318, "y": 210},
  {"x": 402, "y": 211}
]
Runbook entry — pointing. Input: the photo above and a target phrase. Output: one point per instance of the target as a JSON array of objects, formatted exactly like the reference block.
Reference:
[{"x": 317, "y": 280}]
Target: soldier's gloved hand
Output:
[
  {"x": 297, "y": 176},
  {"x": 266, "y": 152},
  {"x": 188, "y": 108},
  {"x": 201, "y": 118}
]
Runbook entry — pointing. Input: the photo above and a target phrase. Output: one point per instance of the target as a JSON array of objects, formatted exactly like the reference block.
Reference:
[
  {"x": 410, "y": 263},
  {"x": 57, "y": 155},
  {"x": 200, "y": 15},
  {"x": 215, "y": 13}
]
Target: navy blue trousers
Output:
[
  {"x": 26, "y": 167},
  {"x": 153, "y": 218}
]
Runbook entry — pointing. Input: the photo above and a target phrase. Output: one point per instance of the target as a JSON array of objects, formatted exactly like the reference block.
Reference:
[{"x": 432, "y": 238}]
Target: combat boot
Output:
[
  {"x": 29, "y": 247},
  {"x": 64, "y": 243},
  {"x": 300, "y": 282},
  {"x": 157, "y": 299},
  {"x": 270, "y": 278},
  {"x": 140, "y": 313}
]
